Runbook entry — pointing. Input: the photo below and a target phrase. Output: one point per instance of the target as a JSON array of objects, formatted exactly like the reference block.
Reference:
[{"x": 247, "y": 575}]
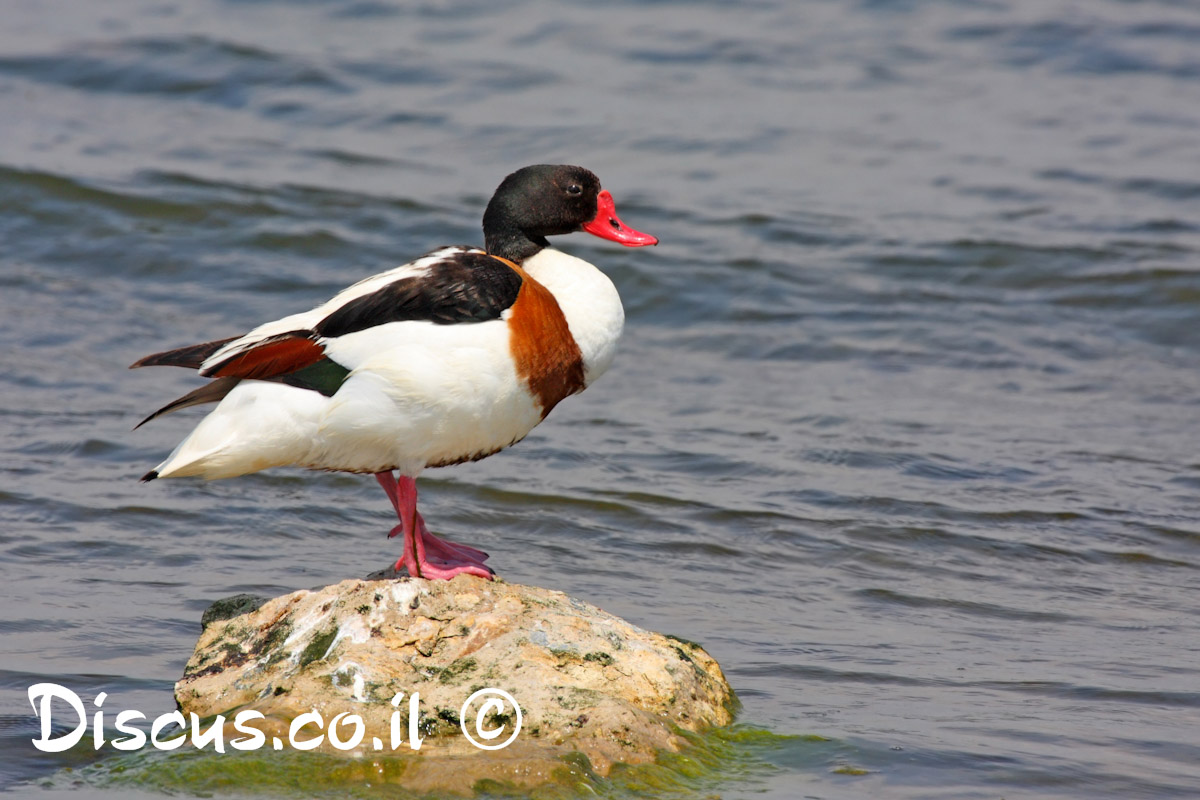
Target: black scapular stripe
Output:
[{"x": 466, "y": 287}]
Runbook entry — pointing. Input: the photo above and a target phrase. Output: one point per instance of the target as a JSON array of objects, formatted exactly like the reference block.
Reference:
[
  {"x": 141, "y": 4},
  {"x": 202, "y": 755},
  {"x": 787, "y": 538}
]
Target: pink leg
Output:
[
  {"x": 426, "y": 555},
  {"x": 434, "y": 545},
  {"x": 406, "y": 511}
]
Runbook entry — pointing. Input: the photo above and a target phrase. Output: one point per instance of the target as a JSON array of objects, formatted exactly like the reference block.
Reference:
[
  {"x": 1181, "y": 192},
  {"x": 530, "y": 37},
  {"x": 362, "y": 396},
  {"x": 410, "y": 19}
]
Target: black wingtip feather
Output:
[
  {"x": 190, "y": 357},
  {"x": 208, "y": 393},
  {"x": 149, "y": 476}
]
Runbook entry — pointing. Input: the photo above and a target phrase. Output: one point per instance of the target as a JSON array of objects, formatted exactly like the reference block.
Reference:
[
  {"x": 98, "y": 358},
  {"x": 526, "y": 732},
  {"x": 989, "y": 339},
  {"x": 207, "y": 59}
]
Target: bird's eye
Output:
[{"x": 574, "y": 188}]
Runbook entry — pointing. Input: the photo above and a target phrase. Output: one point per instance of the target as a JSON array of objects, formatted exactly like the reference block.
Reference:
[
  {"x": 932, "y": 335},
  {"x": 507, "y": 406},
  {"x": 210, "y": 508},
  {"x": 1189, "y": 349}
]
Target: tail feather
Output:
[
  {"x": 208, "y": 393},
  {"x": 257, "y": 425},
  {"x": 191, "y": 356}
]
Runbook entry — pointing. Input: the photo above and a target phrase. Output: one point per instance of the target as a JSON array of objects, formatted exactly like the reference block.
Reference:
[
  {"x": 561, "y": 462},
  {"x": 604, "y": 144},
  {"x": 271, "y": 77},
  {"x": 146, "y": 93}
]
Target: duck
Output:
[{"x": 446, "y": 359}]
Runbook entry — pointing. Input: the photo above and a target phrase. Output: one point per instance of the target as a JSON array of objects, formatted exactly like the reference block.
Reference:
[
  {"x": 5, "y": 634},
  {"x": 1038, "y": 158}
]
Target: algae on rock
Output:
[{"x": 588, "y": 684}]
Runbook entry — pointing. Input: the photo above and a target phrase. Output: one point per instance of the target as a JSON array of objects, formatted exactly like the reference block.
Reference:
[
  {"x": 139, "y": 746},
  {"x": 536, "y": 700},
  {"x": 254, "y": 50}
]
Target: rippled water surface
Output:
[{"x": 904, "y": 425}]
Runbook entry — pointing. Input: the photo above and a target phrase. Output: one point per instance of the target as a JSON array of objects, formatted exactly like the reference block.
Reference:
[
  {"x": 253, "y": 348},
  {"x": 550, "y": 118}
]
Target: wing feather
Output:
[
  {"x": 454, "y": 285},
  {"x": 191, "y": 356},
  {"x": 208, "y": 393},
  {"x": 268, "y": 358},
  {"x": 308, "y": 320}
]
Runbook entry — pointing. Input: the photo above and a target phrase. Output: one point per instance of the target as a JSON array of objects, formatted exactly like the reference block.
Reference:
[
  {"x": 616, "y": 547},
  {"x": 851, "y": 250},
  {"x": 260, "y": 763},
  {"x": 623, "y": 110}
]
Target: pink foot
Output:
[
  {"x": 438, "y": 555},
  {"x": 426, "y": 555},
  {"x": 443, "y": 571},
  {"x": 438, "y": 547},
  {"x": 443, "y": 564}
]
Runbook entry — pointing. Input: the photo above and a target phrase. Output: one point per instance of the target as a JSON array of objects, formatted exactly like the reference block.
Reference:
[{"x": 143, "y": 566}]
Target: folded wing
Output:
[{"x": 451, "y": 286}]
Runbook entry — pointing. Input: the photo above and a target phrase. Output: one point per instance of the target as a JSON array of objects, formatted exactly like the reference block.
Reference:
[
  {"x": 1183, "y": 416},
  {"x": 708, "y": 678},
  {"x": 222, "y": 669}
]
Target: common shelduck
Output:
[{"x": 447, "y": 359}]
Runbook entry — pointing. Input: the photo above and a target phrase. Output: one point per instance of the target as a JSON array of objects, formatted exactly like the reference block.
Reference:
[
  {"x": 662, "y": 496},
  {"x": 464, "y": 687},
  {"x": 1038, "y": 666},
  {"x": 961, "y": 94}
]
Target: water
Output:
[{"x": 903, "y": 428}]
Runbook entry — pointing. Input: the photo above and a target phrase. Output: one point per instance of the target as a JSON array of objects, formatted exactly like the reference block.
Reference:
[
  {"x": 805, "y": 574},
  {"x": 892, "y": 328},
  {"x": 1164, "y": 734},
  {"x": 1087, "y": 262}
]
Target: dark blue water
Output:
[{"x": 904, "y": 425}]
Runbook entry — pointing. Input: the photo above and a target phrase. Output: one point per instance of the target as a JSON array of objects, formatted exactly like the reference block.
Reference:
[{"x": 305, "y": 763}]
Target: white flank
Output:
[{"x": 423, "y": 394}]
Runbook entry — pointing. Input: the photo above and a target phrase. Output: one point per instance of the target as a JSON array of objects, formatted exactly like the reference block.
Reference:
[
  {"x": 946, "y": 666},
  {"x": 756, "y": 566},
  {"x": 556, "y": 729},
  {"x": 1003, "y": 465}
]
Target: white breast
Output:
[{"x": 588, "y": 300}]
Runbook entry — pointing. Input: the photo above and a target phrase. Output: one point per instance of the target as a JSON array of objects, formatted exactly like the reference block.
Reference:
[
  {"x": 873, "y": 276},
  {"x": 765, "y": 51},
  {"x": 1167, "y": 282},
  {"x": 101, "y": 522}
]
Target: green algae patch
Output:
[
  {"x": 848, "y": 770},
  {"x": 714, "y": 761},
  {"x": 600, "y": 657},
  {"x": 271, "y": 642},
  {"x": 266, "y": 773},
  {"x": 736, "y": 757},
  {"x": 231, "y": 607},
  {"x": 317, "y": 647},
  {"x": 458, "y": 669},
  {"x": 687, "y": 642}
]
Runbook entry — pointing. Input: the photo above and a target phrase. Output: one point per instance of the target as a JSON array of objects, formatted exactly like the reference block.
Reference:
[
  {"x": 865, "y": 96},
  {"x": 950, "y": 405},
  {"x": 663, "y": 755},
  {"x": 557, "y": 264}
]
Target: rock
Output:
[{"x": 587, "y": 683}]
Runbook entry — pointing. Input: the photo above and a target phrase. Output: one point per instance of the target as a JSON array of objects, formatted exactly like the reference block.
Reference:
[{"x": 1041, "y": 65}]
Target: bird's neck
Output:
[{"x": 513, "y": 244}]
